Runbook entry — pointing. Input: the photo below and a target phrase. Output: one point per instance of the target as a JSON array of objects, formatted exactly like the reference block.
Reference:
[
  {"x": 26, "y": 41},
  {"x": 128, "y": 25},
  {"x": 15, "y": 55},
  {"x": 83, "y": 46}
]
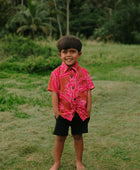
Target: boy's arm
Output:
[
  {"x": 55, "y": 103},
  {"x": 89, "y": 102}
]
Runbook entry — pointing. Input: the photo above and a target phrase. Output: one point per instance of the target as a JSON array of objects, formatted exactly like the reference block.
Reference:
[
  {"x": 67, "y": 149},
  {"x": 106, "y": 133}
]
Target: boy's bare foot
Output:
[
  {"x": 80, "y": 166},
  {"x": 55, "y": 166}
]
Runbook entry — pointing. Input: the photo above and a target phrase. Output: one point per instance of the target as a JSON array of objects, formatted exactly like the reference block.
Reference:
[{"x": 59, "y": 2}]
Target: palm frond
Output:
[
  {"x": 43, "y": 29},
  {"x": 35, "y": 16},
  {"x": 33, "y": 27},
  {"x": 32, "y": 7},
  {"x": 23, "y": 28}
]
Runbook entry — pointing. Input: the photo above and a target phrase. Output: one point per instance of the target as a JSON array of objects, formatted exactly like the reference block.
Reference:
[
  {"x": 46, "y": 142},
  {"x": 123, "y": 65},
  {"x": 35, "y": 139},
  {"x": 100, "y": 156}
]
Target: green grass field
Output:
[{"x": 113, "y": 141}]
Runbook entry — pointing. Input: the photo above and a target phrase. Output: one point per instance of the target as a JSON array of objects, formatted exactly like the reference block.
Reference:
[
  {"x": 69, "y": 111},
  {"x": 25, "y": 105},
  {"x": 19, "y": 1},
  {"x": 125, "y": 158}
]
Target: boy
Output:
[{"x": 71, "y": 87}]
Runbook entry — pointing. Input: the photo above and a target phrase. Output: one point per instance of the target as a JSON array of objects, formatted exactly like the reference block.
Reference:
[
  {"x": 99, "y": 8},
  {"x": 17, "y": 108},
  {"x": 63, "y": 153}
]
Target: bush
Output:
[
  {"x": 16, "y": 67},
  {"x": 20, "y": 48},
  {"x": 24, "y": 55},
  {"x": 38, "y": 65},
  {"x": 41, "y": 65}
]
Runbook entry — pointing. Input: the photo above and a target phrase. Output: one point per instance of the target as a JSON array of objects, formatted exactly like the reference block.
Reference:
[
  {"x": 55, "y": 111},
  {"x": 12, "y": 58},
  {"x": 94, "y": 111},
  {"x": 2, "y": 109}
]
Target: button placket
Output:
[{"x": 72, "y": 80}]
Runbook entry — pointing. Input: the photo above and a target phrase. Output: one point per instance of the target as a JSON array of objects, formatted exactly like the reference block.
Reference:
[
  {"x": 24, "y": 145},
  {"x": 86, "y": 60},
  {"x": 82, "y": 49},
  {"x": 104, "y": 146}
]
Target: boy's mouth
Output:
[{"x": 69, "y": 59}]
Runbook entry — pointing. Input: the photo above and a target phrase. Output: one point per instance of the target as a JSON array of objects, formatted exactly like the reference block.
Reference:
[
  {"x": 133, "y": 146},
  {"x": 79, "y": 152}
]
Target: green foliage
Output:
[
  {"x": 32, "y": 7},
  {"x": 84, "y": 18},
  {"x": 123, "y": 26},
  {"x": 115, "y": 20},
  {"x": 41, "y": 65},
  {"x": 20, "y": 48},
  {"x": 30, "y": 20},
  {"x": 38, "y": 65},
  {"x": 24, "y": 55},
  {"x": 6, "y": 10}
]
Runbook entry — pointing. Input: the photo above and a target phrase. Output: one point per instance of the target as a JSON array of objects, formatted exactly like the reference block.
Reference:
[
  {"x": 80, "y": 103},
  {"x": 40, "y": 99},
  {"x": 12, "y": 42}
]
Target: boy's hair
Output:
[{"x": 69, "y": 41}]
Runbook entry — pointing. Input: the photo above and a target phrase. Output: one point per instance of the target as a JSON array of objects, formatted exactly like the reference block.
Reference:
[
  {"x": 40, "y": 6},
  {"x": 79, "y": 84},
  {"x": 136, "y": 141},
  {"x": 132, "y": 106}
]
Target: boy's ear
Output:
[
  {"x": 59, "y": 54},
  {"x": 80, "y": 53}
]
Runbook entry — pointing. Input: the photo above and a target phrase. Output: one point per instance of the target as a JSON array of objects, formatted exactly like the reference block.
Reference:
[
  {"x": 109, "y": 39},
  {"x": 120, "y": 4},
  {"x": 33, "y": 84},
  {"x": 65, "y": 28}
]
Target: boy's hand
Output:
[{"x": 56, "y": 116}]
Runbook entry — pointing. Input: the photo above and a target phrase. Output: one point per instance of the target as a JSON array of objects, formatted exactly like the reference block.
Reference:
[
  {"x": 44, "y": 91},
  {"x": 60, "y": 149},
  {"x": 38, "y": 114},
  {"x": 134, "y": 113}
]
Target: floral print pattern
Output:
[{"x": 71, "y": 84}]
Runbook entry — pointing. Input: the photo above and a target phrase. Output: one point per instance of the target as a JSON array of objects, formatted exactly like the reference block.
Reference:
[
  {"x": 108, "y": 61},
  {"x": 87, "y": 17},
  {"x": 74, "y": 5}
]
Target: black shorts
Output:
[{"x": 77, "y": 126}]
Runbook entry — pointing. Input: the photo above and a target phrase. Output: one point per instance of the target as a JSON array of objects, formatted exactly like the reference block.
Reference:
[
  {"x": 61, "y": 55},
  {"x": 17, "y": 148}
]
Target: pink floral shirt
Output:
[{"x": 72, "y": 85}]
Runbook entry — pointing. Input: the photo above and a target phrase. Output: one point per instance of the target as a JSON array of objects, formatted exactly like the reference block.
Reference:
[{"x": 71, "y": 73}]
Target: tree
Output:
[
  {"x": 84, "y": 20},
  {"x": 115, "y": 19},
  {"x": 31, "y": 19},
  {"x": 58, "y": 19},
  {"x": 5, "y": 12},
  {"x": 68, "y": 4},
  {"x": 124, "y": 24},
  {"x": 22, "y": 2},
  {"x": 17, "y": 2}
]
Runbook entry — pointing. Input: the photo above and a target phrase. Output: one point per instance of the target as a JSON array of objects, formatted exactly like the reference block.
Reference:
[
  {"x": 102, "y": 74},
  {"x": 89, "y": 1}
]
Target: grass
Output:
[{"x": 27, "y": 121}]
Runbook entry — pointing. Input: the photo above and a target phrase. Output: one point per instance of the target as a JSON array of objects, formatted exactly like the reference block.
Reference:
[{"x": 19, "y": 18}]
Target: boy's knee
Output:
[
  {"x": 77, "y": 137},
  {"x": 61, "y": 138}
]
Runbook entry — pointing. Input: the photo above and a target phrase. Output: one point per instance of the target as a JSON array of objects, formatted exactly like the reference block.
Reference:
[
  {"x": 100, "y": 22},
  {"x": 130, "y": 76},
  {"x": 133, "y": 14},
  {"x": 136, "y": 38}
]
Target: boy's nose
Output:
[{"x": 68, "y": 53}]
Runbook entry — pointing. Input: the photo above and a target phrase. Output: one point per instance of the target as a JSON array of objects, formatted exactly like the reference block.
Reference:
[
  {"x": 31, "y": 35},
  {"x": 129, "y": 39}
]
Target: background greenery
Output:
[
  {"x": 19, "y": 54},
  {"x": 106, "y": 20},
  {"x": 27, "y": 119}
]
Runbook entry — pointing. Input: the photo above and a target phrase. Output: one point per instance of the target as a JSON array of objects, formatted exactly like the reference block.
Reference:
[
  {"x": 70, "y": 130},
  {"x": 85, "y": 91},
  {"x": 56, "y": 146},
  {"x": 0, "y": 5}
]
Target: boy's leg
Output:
[
  {"x": 58, "y": 149},
  {"x": 79, "y": 146},
  {"x": 78, "y": 127}
]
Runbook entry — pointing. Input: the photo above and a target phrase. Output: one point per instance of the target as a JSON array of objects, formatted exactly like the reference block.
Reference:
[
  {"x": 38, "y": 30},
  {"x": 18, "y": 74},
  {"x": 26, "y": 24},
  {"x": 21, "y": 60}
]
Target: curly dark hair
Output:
[{"x": 69, "y": 41}]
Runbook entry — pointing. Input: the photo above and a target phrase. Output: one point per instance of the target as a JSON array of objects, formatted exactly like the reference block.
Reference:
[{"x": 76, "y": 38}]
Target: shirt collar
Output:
[{"x": 66, "y": 68}]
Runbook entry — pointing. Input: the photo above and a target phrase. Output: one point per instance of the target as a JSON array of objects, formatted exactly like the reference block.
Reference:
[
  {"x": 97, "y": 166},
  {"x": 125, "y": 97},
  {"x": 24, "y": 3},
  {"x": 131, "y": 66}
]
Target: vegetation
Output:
[
  {"x": 31, "y": 19},
  {"x": 19, "y": 54},
  {"x": 106, "y": 20},
  {"x": 26, "y": 114},
  {"x": 123, "y": 26}
]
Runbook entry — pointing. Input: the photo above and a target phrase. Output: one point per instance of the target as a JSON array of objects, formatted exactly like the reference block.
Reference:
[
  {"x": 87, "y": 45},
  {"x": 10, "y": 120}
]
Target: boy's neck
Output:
[{"x": 72, "y": 65}]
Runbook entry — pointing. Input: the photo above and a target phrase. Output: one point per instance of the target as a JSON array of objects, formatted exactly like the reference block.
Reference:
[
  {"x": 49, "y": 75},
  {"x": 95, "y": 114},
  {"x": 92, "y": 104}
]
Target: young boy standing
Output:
[{"x": 71, "y": 87}]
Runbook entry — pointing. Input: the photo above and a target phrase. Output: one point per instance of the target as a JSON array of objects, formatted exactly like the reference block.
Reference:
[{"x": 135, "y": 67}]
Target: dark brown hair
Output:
[{"x": 69, "y": 41}]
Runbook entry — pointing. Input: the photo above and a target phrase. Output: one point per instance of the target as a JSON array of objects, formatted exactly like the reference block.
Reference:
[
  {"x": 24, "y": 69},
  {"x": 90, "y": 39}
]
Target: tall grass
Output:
[{"x": 27, "y": 121}]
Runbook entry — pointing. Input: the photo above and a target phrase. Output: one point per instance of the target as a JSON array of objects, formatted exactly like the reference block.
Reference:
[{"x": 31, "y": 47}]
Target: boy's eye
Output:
[
  {"x": 66, "y": 51},
  {"x": 72, "y": 51}
]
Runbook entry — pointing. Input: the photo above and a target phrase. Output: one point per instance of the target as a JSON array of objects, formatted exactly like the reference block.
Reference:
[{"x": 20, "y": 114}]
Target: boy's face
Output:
[{"x": 69, "y": 56}]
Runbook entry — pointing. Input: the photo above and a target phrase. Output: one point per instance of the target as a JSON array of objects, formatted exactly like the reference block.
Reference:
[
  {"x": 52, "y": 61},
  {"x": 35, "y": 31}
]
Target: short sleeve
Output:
[
  {"x": 53, "y": 84},
  {"x": 90, "y": 84}
]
